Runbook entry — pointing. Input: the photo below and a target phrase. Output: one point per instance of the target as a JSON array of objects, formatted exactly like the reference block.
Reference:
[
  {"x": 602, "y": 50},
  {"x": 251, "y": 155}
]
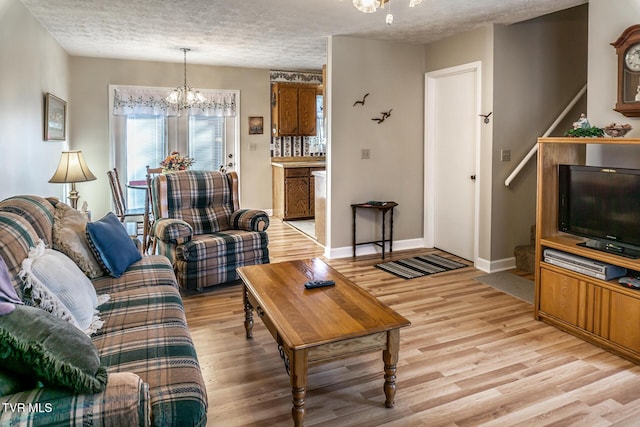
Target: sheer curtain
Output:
[{"x": 152, "y": 101}]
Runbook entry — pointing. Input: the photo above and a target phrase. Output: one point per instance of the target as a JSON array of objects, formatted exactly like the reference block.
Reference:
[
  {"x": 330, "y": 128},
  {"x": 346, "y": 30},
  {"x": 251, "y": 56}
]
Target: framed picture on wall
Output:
[
  {"x": 55, "y": 118},
  {"x": 255, "y": 125}
]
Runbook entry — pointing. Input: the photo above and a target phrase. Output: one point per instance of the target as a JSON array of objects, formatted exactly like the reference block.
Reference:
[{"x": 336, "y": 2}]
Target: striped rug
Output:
[{"x": 410, "y": 268}]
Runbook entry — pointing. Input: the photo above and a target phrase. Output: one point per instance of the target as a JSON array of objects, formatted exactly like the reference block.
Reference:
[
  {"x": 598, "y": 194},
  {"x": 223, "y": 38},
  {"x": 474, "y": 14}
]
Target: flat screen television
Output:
[{"x": 603, "y": 205}]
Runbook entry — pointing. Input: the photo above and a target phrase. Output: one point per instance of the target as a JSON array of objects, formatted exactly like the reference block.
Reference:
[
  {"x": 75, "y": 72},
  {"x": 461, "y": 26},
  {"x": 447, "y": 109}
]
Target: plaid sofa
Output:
[
  {"x": 154, "y": 375},
  {"x": 201, "y": 229}
]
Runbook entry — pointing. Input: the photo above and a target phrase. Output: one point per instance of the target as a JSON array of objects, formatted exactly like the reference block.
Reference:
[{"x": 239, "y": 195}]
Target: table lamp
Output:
[{"x": 71, "y": 169}]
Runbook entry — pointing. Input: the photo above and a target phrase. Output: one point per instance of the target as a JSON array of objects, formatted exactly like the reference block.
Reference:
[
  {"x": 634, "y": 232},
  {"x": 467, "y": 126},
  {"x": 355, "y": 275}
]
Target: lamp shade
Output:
[{"x": 72, "y": 168}]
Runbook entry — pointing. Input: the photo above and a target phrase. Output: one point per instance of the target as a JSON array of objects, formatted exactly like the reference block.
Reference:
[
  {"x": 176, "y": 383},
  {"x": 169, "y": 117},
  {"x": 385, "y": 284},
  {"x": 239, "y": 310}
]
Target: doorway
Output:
[{"x": 452, "y": 148}]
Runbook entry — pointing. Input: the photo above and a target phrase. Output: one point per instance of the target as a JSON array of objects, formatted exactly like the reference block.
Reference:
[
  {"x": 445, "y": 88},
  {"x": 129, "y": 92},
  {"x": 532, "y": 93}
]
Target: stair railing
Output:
[{"x": 534, "y": 149}]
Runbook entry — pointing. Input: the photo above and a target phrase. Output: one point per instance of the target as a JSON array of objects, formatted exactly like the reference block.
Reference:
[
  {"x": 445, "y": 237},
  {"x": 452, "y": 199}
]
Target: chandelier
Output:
[
  {"x": 370, "y": 6},
  {"x": 185, "y": 96}
]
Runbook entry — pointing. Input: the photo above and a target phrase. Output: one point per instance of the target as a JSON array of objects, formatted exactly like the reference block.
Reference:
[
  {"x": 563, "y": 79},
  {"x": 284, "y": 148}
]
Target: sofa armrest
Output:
[
  {"x": 249, "y": 220},
  {"x": 124, "y": 402},
  {"x": 173, "y": 231}
]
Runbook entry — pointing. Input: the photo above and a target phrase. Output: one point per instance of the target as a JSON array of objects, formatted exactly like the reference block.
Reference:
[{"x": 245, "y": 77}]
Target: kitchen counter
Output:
[{"x": 298, "y": 162}]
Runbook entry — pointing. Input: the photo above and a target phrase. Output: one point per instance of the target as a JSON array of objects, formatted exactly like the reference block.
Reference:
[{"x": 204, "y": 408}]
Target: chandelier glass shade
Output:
[
  {"x": 185, "y": 96},
  {"x": 366, "y": 6},
  {"x": 370, "y": 6}
]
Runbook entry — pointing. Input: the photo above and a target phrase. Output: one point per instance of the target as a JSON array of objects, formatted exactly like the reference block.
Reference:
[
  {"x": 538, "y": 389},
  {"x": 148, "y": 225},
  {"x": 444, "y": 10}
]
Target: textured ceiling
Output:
[{"x": 273, "y": 34}]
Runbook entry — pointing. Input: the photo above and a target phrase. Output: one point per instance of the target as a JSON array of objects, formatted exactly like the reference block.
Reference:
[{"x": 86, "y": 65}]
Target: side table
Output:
[{"x": 383, "y": 207}]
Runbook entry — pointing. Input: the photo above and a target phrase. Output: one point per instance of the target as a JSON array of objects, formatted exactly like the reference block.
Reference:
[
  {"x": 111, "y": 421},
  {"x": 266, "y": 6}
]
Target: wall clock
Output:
[{"x": 628, "y": 51}]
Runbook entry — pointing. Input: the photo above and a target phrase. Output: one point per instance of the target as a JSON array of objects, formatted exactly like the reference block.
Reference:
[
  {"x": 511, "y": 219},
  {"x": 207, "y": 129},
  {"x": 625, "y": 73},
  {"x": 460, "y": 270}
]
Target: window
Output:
[
  {"x": 146, "y": 144},
  {"x": 145, "y": 129},
  {"x": 206, "y": 141}
]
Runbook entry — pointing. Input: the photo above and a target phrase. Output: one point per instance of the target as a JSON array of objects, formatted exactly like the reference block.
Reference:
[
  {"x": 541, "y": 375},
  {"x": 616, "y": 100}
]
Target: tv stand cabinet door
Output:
[
  {"x": 580, "y": 303},
  {"x": 625, "y": 318},
  {"x": 560, "y": 296}
]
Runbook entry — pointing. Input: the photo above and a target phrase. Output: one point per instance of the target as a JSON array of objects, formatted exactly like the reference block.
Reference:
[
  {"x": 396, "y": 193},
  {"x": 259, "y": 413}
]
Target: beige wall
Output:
[
  {"x": 540, "y": 65},
  {"x": 393, "y": 75},
  {"x": 90, "y": 132},
  {"x": 31, "y": 64},
  {"x": 607, "y": 20}
]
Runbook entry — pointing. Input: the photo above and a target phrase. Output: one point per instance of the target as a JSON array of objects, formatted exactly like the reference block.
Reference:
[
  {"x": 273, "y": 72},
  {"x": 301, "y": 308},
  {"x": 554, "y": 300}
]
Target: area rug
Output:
[
  {"x": 410, "y": 268},
  {"x": 509, "y": 283}
]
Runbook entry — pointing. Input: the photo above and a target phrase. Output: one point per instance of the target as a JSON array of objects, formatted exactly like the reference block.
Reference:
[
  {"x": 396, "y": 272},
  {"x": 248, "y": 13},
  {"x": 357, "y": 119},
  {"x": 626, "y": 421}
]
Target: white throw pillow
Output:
[{"x": 58, "y": 286}]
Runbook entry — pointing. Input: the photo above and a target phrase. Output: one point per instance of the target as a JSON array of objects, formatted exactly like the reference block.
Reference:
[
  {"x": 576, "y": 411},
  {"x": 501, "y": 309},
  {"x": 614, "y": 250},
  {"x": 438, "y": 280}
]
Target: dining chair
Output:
[
  {"x": 120, "y": 203},
  {"x": 148, "y": 240}
]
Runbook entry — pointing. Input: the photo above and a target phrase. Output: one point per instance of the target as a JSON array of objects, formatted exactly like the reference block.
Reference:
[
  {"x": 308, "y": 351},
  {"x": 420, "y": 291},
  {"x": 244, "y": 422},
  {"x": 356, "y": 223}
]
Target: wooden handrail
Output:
[{"x": 534, "y": 149}]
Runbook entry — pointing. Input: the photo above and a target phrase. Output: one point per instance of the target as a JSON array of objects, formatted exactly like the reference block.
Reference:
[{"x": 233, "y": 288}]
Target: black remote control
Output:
[{"x": 312, "y": 284}]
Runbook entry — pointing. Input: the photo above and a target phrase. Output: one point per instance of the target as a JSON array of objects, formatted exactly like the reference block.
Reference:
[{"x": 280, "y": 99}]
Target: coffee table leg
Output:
[
  {"x": 298, "y": 378},
  {"x": 390, "y": 358},
  {"x": 248, "y": 312}
]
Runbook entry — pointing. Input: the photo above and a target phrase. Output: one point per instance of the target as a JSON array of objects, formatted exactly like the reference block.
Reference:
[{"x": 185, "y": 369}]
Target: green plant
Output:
[{"x": 592, "y": 132}]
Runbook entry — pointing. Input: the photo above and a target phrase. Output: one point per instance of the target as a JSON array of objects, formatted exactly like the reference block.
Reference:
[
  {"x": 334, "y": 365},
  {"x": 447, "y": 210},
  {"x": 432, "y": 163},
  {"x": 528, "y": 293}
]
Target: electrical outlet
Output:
[
  {"x": 505, "y": 155},
  {"x": 253, "y": 147},
  {"x": 365, "y": 154}
]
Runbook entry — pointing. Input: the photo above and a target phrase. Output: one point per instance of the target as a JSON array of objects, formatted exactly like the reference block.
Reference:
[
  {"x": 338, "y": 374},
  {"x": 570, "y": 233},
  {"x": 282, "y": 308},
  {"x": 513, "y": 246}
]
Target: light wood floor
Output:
[{"x": 473, "y": 356}]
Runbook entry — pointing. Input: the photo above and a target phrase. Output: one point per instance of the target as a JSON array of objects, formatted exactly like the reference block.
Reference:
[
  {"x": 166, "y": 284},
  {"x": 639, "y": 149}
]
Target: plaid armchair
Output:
[{"x": 201, "y": 229}]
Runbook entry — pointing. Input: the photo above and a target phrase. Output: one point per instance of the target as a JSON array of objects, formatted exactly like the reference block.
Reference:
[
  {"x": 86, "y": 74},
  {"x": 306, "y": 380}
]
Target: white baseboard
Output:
[
  {"x": 495, "y": 266},
  {"x": 401, "y": 245},
  {"x": 371, "y": 249}
]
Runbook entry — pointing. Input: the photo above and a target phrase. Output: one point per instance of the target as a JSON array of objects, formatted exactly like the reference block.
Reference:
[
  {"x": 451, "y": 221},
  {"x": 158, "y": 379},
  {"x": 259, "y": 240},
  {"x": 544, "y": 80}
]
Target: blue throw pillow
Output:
[{"x": 112, "y": 245}]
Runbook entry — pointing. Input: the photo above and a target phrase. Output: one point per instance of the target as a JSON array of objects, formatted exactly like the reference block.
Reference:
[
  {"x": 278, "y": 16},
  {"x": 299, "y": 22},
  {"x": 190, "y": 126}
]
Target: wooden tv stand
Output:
[{"x": 602, "y": 312}]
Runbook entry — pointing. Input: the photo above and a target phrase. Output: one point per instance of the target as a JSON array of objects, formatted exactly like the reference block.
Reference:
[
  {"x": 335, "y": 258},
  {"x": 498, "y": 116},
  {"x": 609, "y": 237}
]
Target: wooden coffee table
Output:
[{"x": 319, "y": 325}]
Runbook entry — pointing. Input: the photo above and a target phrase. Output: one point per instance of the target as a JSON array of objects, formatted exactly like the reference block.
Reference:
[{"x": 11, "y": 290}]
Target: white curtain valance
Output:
[{"x": 152, "y": 101}]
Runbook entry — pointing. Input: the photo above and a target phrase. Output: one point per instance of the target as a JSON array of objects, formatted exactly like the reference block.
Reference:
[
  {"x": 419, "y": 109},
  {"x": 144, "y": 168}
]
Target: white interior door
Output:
[{"x": 452, "y": 137}]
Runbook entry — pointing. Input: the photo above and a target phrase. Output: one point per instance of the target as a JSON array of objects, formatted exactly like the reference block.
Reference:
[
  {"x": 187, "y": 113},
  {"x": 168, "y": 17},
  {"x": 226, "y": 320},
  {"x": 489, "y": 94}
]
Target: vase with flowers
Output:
[{"x": 175, "y": 162}]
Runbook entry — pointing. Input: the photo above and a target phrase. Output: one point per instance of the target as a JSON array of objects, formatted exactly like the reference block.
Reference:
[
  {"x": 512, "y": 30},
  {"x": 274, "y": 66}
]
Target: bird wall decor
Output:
[
  {"x": 486, "y": 117},
  {"x": 385, "y": 116},
  {"x": 361, "y": 102}
]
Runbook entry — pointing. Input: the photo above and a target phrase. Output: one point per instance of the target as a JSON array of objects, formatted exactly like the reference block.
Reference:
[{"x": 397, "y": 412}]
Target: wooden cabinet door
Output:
[
  {"x": 560, "y": 296},
  {"x": 287, "y": 101},
  {"x": 307, "y": 111},
  {"x": 296, "y": 197},
  {"x": 624, "y": 320}
]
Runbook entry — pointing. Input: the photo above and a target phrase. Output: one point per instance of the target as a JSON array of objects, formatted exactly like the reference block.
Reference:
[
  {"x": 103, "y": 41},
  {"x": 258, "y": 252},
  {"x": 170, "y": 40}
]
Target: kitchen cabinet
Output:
[
  {"x": 293, "y": 109},
  {"x": 293, "y": 189}
]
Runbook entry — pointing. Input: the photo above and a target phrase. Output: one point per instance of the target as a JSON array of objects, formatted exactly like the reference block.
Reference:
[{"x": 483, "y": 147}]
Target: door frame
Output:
[{"x": 429, "y": 151}]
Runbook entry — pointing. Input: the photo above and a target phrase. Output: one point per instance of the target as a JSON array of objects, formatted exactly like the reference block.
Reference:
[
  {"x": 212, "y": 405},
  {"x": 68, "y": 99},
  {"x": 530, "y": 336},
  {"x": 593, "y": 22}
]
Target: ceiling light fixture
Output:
[
  {"x": 185, "y": 96},
  {"x": 370, "y": 6}
]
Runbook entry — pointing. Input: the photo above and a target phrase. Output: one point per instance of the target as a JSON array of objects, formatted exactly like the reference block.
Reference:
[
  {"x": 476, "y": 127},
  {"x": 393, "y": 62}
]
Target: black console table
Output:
[{"x": 383, "y": 207}]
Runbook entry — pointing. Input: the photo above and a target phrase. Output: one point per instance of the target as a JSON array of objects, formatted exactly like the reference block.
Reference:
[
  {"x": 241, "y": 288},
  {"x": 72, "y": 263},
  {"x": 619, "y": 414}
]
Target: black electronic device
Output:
[
  {"x": 312, "y": 284},
  {"x": 630, "y": 282},
  {"x": 603, "y": 205}
]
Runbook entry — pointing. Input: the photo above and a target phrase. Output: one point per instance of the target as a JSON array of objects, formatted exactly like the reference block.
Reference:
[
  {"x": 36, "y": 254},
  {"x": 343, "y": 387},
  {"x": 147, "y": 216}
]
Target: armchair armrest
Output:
[
  {"x": 173, "y": 231},
  {"x": 249, "y": 220},
  {"x": 124, "y": 402}
]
